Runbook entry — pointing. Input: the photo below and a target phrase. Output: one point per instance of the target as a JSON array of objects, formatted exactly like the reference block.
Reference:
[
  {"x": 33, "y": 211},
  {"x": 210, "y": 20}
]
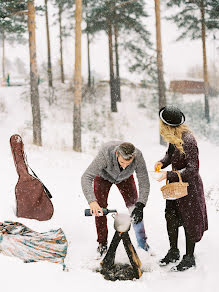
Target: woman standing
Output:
[{"x": 189, "y": 211}]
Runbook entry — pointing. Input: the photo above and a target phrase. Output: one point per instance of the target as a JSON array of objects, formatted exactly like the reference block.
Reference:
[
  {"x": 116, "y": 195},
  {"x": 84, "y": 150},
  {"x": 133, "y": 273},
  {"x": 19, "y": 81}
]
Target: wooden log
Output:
[
  {"x": 131, "y": 252},
  {"x": 109, "y": 258}
]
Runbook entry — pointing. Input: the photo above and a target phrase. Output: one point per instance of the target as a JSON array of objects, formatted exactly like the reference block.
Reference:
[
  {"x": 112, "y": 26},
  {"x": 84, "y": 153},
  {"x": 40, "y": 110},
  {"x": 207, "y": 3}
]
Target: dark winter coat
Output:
[{"x": 192, "y": 208}]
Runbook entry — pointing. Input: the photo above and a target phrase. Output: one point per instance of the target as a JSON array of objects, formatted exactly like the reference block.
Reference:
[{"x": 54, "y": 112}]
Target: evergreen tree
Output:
[
  {"x": 34, "y": 92},
  {"x": 11, "y": 16},
  {"x": 86, "y": 18},
  {"x": 67, "y": 7},
  {"x": 192, "y": 21},
  {"x": 126, "y": 19},
  {"x": 12, "y": 25},
  {"x": 213, "y": 13},
  {"x": 13, "y": 19},
  {"x": 49, "y": 64},
  {"x": 77, "y": 79}
]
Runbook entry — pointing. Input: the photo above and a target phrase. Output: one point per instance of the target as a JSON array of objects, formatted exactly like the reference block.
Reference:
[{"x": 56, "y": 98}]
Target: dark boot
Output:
[
  {"x": 101, "y": 250},
  {"x": 186, "y": 263},
  {"x": 171, "y": 257}
]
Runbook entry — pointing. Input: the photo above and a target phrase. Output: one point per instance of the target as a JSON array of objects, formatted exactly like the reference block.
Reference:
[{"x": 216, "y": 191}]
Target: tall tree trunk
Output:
[
  {"x": 161, "y": 85},
  {"x": 49, "y": 69},
  {"x": 111, "y": 67},
  {"x": 205, "y": 69},
  {"x": 3, "y": 56},
  {"x": 117, "y": 83},
  {"x": 61, "y": 46},
  {"x": 88, "y": 48},
  {"x": 34, "y": 76},
  {"x": 77, "y": 78},
  {"x": 88, "y": 60}
]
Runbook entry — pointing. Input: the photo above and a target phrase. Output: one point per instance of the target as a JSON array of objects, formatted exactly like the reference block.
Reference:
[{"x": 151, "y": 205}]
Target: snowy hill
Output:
[{"x": 60, "y": 168}]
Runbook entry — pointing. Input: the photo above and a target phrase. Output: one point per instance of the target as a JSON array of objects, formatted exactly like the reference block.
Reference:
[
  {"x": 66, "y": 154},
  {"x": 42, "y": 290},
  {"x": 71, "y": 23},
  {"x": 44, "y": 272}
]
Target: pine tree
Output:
[
  {"x": 34, "y": 92},
  {"x": 212, "y": 17},
  {"x": 49, "y": 65},
  {"x": 191, "y": 20},
  {"x": 77, "y": 79},
  {"x": 13, "y": 20},
  {"x": 117, "y": 78},
  {"x": 3, "y": 55},
  {"x": 161, "y": 84},
  {"x": 120, "y": 18},
  {"x": 63, "y": 6},
  {"x": 86, "y": 18},
  {"x": 12, "y": 25}
]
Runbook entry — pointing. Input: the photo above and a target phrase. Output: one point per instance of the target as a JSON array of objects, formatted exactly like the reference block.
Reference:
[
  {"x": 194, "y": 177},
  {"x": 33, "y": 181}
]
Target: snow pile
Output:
[{"x": 60, "y": 169}]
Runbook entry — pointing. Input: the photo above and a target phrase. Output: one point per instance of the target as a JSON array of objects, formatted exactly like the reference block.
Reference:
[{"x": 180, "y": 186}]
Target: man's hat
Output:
[{"x": 172, "y": 116}]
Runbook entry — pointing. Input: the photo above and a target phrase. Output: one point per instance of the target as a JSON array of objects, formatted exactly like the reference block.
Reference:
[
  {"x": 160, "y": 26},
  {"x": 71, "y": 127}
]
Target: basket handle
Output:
[{"x": 179, "y": 175}]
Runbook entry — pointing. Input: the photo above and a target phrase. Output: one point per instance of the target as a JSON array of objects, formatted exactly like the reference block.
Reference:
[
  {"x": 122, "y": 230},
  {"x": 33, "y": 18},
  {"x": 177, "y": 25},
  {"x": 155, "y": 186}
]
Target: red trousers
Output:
[{"x": 102, "y": 187}]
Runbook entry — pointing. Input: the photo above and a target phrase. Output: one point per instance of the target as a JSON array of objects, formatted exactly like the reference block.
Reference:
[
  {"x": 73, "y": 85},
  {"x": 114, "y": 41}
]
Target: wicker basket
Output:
[{"x": 175, "y": 190}]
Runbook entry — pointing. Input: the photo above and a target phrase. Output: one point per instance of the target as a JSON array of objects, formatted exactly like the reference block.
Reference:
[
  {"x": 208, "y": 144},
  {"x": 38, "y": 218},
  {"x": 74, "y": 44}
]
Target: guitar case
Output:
[{"x": 32, "y": 197}]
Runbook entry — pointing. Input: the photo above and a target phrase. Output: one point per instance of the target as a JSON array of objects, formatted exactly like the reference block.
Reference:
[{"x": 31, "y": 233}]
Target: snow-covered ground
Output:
[{"x": 60, "y": 168}]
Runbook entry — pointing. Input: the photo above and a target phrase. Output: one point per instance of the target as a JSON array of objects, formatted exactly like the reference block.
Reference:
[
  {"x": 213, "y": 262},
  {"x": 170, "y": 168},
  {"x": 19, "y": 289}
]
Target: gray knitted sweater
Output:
[{"x": 105, "y": 165}]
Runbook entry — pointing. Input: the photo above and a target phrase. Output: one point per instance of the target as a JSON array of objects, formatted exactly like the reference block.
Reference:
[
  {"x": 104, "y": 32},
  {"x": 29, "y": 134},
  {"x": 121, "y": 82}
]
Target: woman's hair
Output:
[{"x": 173, "y": 135}]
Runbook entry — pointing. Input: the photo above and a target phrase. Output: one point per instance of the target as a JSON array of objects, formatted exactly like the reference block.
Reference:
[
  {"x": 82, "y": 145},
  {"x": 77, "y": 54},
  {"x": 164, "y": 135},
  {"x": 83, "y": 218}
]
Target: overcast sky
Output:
[{"x": 178, "y": 56}]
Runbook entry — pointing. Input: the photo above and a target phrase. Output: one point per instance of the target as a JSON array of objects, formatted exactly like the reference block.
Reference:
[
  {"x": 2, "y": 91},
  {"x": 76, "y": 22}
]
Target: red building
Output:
[{"x": 187, "y": 86}]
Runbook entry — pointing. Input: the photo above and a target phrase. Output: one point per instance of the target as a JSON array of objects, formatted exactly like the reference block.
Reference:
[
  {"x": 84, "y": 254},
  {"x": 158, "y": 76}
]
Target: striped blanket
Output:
[{"x": 30, "y": 246}]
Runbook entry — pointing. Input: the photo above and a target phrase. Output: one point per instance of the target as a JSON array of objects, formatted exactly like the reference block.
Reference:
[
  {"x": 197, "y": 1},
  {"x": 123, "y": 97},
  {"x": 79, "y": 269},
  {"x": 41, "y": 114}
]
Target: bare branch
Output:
[{"x": 19, "y": 13}]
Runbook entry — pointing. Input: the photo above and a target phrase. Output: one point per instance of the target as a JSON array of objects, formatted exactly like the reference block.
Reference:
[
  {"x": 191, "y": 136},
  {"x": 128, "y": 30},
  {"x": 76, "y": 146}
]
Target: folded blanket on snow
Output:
[{"x": 30, "y": 246}]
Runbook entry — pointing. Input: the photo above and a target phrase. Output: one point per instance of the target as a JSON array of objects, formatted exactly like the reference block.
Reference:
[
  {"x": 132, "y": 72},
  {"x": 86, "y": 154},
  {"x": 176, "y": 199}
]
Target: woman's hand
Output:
[
  {"x": 163, "y": 176},
  {"x": 94, "y": 208},
  {"x": 158, "y": 165}
]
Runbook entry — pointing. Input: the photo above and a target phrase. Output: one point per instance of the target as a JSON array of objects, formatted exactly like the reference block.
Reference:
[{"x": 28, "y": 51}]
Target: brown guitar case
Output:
[{"x": 32, "y": 197}]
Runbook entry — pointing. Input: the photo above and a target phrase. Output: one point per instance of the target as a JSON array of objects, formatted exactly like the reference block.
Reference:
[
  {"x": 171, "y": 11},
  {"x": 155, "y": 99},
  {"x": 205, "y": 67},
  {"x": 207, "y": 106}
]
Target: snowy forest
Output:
[{"x": 75, "y": 74}]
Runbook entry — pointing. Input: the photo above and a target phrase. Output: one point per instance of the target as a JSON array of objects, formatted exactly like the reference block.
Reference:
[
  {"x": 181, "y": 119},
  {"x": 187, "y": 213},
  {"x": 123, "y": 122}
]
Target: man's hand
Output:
[
  {"x": 137, "y": 213},
  {"x": 94, "y": 208}
]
